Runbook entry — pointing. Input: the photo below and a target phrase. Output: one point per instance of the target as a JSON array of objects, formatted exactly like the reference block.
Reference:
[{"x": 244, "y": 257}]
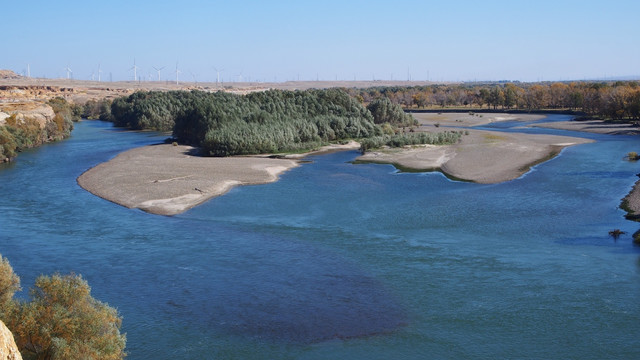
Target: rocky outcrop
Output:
[
  {"x": 39, "y": 111},
  {"x": 8, "y": 348}
]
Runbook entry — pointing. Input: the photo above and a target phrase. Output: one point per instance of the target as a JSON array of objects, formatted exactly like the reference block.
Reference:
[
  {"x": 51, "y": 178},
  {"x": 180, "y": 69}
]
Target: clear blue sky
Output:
[{"x": 343, "y": 39}]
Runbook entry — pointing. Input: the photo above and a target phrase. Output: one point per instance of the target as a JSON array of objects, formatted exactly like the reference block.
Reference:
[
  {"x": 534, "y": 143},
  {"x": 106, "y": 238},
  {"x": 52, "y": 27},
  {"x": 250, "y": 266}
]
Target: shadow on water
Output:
[{"x": 285, "y": 291}]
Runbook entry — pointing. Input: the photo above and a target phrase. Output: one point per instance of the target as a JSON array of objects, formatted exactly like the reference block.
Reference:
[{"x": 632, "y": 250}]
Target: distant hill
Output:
[{"x": 8, "y": 74}]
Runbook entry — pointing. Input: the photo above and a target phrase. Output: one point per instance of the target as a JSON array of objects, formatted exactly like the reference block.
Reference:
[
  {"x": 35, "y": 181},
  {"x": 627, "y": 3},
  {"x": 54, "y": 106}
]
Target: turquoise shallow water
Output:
[{"x": 347, "y": 261}]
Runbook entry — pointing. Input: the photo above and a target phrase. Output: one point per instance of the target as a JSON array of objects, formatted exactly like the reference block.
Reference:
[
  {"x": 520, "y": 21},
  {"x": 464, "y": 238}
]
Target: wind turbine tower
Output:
[
  {"x": 69, "y": 72},
  {"x": 158, "y": 70},
  {"x": 99, "y": 72},
  {"x": 217, "y": 74},
  {"x": 177, "y": 72},
  {"x": 135, "y": 70}
]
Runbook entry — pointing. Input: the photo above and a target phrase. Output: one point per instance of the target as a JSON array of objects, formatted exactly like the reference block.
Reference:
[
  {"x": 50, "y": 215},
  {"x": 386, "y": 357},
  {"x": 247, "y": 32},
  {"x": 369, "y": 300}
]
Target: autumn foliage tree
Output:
[
  {"x": 619, "y": 100},
  {"x": 62, "y": 320}
]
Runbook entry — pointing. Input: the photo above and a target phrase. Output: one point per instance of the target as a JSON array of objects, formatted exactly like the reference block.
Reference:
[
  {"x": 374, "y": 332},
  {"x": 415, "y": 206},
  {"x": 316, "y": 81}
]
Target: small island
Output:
[{"x": 222, "y": 140}]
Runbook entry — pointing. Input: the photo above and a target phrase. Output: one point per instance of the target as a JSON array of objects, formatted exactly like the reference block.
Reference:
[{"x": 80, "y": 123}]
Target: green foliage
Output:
[
  {"x": 384, "y": 111},
  {"x": 8, "y": 144},
  {"x": 62, "y": 320},
  {"x": 225, "y": 124},
  {"x": 68, "y": 111},
  {"x": 400, "y": 140},
  {"x": 26, "y": 133},
  {"x": 94, "y": 109},
  {"x": 150, "y": 110}
]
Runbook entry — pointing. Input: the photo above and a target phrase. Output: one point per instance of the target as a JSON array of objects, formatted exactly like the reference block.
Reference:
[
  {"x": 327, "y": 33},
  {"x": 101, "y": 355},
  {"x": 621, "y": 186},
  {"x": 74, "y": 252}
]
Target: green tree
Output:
[
  {"x": 7, "y": 144},
  {"x": 384, "y": 111}
]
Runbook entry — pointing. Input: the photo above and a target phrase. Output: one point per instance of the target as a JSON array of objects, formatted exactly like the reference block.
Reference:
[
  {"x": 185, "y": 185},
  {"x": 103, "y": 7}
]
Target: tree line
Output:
[
  {"x": 618, "y": 100},
  {"x": 274, "y": 121},
  {"x": 19, "y": 134}
]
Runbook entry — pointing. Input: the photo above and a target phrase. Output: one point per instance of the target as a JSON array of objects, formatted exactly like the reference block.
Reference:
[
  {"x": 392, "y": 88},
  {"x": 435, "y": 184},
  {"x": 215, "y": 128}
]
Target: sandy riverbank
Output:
[
  {"x": 166, "y": 180},
  {"x": 631, "y": 203}
]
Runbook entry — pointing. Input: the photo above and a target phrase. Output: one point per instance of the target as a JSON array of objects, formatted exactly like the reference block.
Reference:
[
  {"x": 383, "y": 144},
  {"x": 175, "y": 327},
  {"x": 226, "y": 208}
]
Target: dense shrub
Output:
[
  {"x": 262, "y": 122},
  {"x": 384, "y": 111},
  {"x": 97, "y": 109},
  {"x": 19, "y": 134},
  {"x": 8, "y": 144},
  {"x": 62, "y": 320},
  {"x": 400, "y": 140}
]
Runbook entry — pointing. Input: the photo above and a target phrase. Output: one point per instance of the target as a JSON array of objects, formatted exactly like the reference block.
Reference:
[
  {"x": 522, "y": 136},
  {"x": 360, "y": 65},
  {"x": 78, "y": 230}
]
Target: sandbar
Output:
[
  {"x": 592, "y": 126},
  {"x": 167, "y": 180},
  {"x": 481, "y": 156},
  {"x": 470, "y": 119}
]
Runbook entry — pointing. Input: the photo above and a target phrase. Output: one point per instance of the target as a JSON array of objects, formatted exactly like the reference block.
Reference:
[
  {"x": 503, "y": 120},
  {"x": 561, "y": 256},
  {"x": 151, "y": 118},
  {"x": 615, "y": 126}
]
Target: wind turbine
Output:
[
  {"x": 69, "y": 72},
  {"x": 135, "y": 70},
  {"x": 158, "y": 70},
  {"x": 217, "y": 74},
  {"x": 194, "y": 77},
  {"x": 99, "y": 72},
  {"x": 177, "y": 72},
  {"x": 239, "y": 77}
]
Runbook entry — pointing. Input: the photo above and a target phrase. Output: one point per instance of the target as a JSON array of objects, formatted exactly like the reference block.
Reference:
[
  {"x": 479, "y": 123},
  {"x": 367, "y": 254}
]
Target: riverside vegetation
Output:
[
  {"x": 19, "y": 134},
  {"x": 62, "y": 320},
  {"x": 274, "y": 121}
]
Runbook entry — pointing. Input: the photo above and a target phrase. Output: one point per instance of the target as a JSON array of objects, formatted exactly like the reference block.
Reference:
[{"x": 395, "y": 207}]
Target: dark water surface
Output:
[{"x": 343, "y": 261}]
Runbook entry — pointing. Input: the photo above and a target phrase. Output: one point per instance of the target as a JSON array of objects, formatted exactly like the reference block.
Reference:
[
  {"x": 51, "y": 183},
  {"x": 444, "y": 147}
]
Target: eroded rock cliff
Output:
[{"x": 8, "y": 347}]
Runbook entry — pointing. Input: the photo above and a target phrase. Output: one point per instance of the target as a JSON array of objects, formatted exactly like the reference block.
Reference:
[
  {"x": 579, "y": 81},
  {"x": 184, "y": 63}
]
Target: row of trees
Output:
[
  {"x": 414, "y": 138},
  {"x": 19, "y": 134},
  {"x": 613, "y": 100},
  {"x": 224, "y": 124},
  {"x": 62, "y": 320}
]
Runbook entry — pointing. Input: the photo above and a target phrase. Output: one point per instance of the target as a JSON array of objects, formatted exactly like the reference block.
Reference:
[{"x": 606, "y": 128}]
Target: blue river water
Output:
[{"x": 344, "y": 261}]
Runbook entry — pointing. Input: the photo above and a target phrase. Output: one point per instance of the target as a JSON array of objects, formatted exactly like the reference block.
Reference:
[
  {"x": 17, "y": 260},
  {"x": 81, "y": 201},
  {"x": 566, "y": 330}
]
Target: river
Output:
[{"x": 344, "y": 261}]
